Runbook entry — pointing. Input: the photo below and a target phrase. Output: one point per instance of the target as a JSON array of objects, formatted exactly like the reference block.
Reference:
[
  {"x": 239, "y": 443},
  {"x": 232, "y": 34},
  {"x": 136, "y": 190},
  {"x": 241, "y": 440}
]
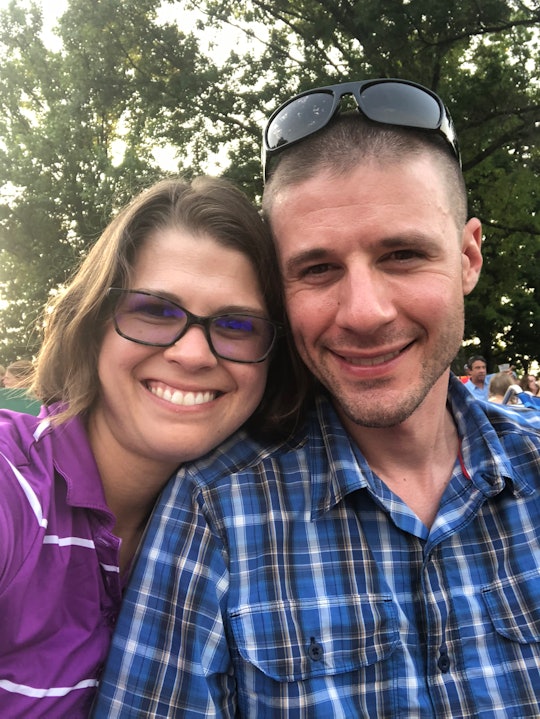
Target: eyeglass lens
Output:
[{"x": 152, "y": 320}]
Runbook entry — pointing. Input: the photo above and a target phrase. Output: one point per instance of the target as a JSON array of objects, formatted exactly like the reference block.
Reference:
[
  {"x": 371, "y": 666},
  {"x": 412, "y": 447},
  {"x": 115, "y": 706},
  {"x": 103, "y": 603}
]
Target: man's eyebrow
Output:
[{"x": 315, "y": 254}]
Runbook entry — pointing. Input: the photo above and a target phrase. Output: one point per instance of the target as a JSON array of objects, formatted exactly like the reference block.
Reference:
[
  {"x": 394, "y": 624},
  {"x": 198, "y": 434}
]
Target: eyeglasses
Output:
[
  {"x": 386, "y": 101},
  {"x": 149, "y": 319}
]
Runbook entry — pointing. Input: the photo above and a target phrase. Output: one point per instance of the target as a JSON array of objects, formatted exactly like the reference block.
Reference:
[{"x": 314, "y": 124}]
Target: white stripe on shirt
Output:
[
  {"x": 68, "y": 541},
  {"x": 31, "y": 496},
  {"x": 40, "y": 693}
]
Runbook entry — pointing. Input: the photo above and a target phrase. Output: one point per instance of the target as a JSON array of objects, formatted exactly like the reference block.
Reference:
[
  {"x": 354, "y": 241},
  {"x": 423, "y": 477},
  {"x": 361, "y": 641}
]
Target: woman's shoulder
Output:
[
  {"x": 20, "y": 432},
  {"x": 17, "y": 429}
]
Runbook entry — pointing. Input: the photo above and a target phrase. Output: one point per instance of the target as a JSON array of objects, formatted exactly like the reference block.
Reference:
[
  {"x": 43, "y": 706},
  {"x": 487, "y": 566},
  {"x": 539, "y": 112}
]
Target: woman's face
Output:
[
  {"x": 532, "y": 383},
  {"x": 170, "y": 405}
]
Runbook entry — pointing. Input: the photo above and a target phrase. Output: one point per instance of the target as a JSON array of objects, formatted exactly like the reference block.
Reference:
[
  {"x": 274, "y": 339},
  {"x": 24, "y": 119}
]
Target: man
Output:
[
  {"x": 478, "y": 382},
  {"x": 385, "y": 560}
]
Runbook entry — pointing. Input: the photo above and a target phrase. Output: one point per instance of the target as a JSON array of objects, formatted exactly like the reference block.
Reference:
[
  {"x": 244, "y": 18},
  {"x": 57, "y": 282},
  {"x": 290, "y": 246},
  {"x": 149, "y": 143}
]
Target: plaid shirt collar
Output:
[{"x": 480, "y": 445}]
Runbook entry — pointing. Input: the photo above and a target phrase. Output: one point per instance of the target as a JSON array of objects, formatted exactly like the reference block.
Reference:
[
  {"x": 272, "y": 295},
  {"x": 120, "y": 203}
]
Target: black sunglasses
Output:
[{"x": 386, "y": 101}]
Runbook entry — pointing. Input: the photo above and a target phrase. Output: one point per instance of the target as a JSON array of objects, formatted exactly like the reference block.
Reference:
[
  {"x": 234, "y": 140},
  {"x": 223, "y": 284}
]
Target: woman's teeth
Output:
[{"x": 186, "y": 399}]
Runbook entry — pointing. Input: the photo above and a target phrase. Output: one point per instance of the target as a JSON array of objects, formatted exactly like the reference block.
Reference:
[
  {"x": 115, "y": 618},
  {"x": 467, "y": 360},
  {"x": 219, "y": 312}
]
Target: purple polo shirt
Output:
[{"x": 60, "y": 588}]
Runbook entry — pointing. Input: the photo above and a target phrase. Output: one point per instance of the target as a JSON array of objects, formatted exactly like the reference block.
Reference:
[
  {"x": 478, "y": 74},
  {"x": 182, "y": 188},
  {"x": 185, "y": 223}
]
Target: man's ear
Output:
[{"x": 471, "y": 254}]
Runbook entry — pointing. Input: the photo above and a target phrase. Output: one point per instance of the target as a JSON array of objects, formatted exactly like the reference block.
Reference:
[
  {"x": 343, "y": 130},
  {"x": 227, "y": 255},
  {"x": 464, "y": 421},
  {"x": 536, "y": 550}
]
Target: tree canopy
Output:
[{"x": 137, "y": 88}]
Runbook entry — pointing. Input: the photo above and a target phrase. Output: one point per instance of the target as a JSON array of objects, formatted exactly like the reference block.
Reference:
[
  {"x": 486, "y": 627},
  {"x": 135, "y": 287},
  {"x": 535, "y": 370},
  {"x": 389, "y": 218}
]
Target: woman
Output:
[
  {"x": 529, "y": 384},
  {"x": 157, "y": 351},
  {"x": 17, "y": 373}
]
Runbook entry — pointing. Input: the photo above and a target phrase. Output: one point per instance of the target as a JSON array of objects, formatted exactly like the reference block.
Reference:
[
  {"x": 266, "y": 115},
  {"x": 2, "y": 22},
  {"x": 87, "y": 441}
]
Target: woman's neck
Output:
[{"x": 131, "y": 484}]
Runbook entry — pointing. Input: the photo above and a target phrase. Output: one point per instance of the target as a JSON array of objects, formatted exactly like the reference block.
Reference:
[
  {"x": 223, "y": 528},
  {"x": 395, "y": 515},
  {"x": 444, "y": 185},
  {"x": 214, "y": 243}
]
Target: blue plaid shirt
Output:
[{"x": 289, "y": 582}]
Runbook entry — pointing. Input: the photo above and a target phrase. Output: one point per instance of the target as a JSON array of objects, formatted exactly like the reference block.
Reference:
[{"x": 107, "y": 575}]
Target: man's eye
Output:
[
  {"x": 317, "y": 269},
  {"x": 403, "y": 255}
]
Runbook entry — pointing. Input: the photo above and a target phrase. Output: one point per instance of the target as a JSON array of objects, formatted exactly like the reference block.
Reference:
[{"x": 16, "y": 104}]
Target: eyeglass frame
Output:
[
  {"x": 192, "y": 320},
  {"x": 444, "y": 129}
]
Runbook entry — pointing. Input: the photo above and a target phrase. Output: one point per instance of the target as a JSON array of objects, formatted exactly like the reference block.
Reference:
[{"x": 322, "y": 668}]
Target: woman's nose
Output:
[{"x": 192, "y": 349}]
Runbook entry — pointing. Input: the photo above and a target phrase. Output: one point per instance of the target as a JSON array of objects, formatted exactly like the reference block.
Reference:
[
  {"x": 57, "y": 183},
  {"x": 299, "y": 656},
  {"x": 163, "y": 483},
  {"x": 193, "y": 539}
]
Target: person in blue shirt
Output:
[
  {"x": 384, "y": 560},
  {"x": 479, "y": 379}
]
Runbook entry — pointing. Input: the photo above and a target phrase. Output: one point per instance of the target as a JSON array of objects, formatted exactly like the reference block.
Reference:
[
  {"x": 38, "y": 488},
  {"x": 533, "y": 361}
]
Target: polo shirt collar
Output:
[{"x": 73, "y": 460}]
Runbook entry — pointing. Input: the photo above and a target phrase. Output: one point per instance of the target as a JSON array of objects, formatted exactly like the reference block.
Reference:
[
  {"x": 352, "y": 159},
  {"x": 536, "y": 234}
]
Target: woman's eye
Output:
[
  {"x": 156, "y": 309},
  {"x": 240, "y": 324}
]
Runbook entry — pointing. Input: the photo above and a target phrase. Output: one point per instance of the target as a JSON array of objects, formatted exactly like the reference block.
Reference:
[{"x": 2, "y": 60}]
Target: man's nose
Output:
[{"x": 365, "y": 301}]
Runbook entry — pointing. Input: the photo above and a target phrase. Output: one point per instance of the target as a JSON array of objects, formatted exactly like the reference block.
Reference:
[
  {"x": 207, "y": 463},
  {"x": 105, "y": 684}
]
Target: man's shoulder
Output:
[
  {"x": 514, "y": 420},
  {"x": 244, "y": 454},
  {"x": 512, "y": 435}
]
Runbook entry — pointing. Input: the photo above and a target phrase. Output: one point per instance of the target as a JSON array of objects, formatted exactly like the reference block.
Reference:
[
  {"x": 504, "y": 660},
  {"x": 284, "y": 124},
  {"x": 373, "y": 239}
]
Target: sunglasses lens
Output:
[
  {"x": 400, "y": 104},
  {"x": 299, "y": 118}
]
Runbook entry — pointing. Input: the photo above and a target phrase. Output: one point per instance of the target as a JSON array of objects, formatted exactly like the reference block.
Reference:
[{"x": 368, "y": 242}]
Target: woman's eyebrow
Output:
[{"x": 257, "y": 310}]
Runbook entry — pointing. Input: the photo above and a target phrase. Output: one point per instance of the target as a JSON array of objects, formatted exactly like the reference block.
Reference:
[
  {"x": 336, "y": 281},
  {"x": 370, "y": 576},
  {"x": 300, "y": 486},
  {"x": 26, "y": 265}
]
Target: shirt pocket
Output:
[
  {"x": 513, "y": 604},
  {"x": 297, "y": 640}
]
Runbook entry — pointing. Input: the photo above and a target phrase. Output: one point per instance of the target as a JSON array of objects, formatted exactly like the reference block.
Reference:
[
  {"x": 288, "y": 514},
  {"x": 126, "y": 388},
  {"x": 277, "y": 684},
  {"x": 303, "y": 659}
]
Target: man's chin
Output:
[
  {"x": 377, "y": 412},
  {"x": 379, "y": 420}
]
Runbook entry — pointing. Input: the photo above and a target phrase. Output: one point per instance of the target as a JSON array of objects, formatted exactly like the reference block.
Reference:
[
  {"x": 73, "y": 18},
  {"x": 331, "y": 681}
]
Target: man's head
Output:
[
  {"x": 369, "y": 221},
  {"x": 478, "y": 370}
]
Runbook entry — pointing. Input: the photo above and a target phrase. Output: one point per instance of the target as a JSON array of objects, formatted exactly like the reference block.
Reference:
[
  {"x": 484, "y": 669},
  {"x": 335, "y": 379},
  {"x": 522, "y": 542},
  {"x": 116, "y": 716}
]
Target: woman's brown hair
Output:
[{"x": 74, "y": 325}]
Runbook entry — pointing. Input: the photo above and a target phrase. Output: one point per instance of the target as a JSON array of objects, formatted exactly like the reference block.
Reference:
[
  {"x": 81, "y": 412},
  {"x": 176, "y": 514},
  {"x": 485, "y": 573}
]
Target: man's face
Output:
[
  {"x": 478, "y": 372},
  {"x": 375, "y": 271}
]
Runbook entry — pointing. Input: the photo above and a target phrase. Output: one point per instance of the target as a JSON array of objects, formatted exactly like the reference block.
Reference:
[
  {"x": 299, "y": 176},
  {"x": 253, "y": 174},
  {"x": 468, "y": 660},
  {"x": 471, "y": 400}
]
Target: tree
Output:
[
  {"x": 75, "y": 144},
  {"x": 124, "y": 73}
]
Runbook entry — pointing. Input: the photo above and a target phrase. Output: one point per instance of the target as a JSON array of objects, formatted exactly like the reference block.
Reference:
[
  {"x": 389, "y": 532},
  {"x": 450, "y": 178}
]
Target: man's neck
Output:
[{"x": 414, "y": 459}]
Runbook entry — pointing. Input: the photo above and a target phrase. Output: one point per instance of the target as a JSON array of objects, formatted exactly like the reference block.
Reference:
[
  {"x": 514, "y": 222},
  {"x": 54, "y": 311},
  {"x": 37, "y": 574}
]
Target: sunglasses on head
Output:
[{"x": 386, "y": 101}]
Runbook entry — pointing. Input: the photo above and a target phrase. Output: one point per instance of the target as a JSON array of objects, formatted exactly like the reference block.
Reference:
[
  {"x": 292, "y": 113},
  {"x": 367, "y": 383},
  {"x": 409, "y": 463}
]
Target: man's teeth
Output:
[
  {"x": 373, "y": 361},
  {"x": 186, "y": 399}
]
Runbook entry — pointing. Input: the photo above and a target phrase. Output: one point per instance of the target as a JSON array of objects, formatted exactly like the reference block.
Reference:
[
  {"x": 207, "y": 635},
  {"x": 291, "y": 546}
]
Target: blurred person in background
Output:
[
  {"x": 18, "y": 373},
  {"x": 529, "y": 383},
  {"x": 498, "y": 386},
  {"x": 478, "y": 382}
]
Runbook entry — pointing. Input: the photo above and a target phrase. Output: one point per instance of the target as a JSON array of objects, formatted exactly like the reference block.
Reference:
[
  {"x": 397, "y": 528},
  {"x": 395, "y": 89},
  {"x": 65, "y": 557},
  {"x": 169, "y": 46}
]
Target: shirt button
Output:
[
  {"x": 444, "y": 662},
  {"x": 315, "y": 651}
]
